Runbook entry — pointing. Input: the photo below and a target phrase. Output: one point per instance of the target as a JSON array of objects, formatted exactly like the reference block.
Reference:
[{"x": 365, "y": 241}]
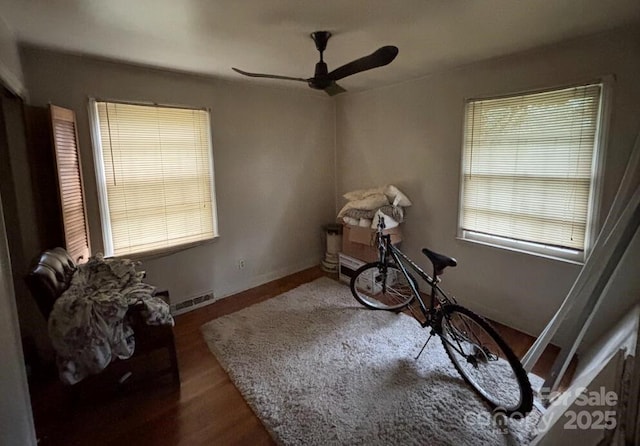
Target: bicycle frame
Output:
[
  {"x": 431, "y": 314},
  {"x": 469, "y": 340},
  {"x": 385, "y": 248}
]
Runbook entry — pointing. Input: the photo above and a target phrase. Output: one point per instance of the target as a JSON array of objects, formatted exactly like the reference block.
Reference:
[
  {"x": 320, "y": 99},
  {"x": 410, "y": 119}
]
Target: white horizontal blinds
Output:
[
  {"x": 157, "y": 167},
  {"x": 528, "y": 163},
  {"x": 76, "y": 231}
]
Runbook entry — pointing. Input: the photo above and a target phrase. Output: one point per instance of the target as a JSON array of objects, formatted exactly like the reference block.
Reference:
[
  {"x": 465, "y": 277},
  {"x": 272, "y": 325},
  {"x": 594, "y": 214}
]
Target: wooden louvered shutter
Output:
[{"x": 72, "y": 203}]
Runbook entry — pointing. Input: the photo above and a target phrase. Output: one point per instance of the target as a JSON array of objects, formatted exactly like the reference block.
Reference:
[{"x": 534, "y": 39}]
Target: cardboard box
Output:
[{"x": 359, "y": 242}]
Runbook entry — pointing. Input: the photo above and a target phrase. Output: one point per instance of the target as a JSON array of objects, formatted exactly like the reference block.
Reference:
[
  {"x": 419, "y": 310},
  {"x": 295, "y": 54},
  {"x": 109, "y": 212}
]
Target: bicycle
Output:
[{"x": 479, "y": 354}]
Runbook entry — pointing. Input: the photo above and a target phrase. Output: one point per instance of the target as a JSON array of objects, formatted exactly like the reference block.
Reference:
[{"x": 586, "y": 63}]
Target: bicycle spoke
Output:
[
  {"x": 485, "y": 361},
  {"x": 381, "y": 287}
]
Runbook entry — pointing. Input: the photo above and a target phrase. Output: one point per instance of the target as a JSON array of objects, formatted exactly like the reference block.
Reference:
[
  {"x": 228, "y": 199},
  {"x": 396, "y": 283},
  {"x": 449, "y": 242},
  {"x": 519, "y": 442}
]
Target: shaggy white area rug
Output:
[{"x": 319, "y": 369}]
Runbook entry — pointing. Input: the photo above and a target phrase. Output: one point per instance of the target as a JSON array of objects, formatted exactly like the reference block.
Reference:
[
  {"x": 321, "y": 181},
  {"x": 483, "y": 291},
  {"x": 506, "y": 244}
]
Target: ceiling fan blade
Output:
[
  {"x": 378, "y": 58},
  {"x": 270, "y": 76},
  {"x": 334, "y": 89}
]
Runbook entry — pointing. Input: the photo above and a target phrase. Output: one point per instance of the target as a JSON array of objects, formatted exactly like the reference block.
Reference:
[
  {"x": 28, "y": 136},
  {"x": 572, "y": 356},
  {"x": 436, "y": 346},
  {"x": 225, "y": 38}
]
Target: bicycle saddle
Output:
[{"x": 440, "y": 261}]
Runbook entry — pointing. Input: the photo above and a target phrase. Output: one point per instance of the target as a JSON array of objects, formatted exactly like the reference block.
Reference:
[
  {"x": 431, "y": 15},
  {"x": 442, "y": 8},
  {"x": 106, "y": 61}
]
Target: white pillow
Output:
[
  {"x": 351, "y": 221},
  {"x": 369, "y": 203},
  {"x": 396, "y": 197},
  {"x": 363, "y": 193},
  {"x": 388, "y": 221}
]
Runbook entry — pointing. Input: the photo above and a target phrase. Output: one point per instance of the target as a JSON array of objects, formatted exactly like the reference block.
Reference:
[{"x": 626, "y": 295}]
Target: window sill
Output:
[
  {"x": 163, "y": 252},
  {"x": 522, "y": 251}
]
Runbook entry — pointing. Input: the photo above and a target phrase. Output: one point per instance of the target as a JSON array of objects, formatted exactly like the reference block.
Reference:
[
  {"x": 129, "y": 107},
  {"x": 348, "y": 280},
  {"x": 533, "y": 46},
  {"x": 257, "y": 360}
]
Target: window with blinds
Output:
[
  {"x": 155, "y": 175},
  {"x": 528, "y": 170}
]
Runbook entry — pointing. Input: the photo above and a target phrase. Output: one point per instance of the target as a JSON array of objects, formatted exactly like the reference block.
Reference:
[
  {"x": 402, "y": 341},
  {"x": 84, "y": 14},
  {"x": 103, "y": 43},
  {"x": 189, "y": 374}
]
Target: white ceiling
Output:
[{"x": 272, "y": 36}]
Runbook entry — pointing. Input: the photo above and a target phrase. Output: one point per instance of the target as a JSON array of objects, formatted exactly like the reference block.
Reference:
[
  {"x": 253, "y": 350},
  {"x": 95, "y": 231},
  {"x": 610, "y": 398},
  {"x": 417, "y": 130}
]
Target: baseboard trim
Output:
[{"x": 254, "y": 282}]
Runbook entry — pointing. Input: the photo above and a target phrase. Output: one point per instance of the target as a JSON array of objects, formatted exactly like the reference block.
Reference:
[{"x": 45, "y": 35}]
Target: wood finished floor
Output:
[{"x": 206, "y": 410}]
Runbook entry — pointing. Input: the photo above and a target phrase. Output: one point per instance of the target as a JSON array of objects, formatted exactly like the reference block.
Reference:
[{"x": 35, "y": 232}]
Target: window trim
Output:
[
  {"x": 536, "y": 249},
  {"x": 101, "y": 183},
  {"x": 595, "y": 190}
]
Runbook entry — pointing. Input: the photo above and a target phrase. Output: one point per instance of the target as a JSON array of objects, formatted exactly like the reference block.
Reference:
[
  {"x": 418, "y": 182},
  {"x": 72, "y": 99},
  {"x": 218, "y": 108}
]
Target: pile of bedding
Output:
[
  {"x": 88, "y": 325},
  {"x": 365, "y": 206}
]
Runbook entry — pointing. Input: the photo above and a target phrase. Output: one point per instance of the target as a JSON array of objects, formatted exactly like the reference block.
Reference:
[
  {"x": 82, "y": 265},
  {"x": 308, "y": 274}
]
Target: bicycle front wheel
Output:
[
  {"x": 485, "y": 361},
  {"x": 382, "y": 287}
]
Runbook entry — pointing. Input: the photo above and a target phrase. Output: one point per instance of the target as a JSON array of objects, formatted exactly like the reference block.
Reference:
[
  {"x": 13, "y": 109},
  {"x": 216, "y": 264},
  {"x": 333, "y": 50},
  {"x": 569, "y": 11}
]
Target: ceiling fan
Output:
[{"x": 325, "y": 80}]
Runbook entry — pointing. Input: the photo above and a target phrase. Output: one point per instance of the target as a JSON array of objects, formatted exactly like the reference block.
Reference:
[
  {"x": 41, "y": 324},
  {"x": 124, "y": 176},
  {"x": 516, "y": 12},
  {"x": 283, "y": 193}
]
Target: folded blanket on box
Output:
[
  {"x": 395, "y": 212},
  {"x": 365, "y": 205}
]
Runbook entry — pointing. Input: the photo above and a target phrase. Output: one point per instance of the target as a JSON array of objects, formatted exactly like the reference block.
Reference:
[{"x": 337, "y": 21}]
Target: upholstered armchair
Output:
[{"x": 51, "y": 275}]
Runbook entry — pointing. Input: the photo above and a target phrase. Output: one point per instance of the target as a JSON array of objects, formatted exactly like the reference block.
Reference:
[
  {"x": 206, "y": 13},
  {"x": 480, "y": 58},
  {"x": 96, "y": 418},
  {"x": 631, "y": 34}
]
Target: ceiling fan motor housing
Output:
[{"x": 320, "y": 80}]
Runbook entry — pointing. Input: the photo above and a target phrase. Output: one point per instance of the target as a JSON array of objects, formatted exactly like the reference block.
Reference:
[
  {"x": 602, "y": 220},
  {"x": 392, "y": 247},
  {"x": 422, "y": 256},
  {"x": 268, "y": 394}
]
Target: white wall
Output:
[
  {"x": 411, "y": 135},
  {"x": 16, "y": 421},
  {"x": 273, "y": 160},
  {"x": 10, "y": 68}
]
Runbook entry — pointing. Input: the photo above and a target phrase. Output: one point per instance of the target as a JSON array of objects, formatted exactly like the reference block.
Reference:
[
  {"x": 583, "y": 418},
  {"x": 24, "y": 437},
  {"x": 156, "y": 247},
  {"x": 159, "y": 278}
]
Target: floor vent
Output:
[{"x": 183, "y": 306}]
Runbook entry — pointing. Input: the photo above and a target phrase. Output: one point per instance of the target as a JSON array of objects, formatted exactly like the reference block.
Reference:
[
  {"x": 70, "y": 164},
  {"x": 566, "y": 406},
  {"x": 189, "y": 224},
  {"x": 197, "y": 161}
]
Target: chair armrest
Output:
[
  {"x": 134, "y": 313},
  {"x": 164, "y": 295}
]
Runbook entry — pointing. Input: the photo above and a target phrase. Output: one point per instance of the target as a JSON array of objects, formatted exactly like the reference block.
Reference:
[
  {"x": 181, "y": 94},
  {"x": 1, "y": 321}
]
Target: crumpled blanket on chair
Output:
[{"x": 87, "y": 325}]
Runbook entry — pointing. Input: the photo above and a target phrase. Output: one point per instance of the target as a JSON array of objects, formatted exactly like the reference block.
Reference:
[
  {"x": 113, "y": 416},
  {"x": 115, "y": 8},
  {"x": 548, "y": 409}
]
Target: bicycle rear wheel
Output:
[
  {"x": 485, "y": 361},
  {"x": 382, "y": 287}
]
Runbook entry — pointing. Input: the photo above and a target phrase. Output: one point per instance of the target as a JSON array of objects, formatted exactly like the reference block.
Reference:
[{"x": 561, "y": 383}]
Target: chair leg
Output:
[
  {"x": 74, "y": 393},
  {"x": 173, "y": 358}
]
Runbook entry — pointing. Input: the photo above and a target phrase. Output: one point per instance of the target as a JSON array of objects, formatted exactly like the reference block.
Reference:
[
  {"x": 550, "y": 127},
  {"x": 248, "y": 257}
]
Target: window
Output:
[
  {"x": 528, "y": 170},
  {"x": 155, "y": 176}
]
